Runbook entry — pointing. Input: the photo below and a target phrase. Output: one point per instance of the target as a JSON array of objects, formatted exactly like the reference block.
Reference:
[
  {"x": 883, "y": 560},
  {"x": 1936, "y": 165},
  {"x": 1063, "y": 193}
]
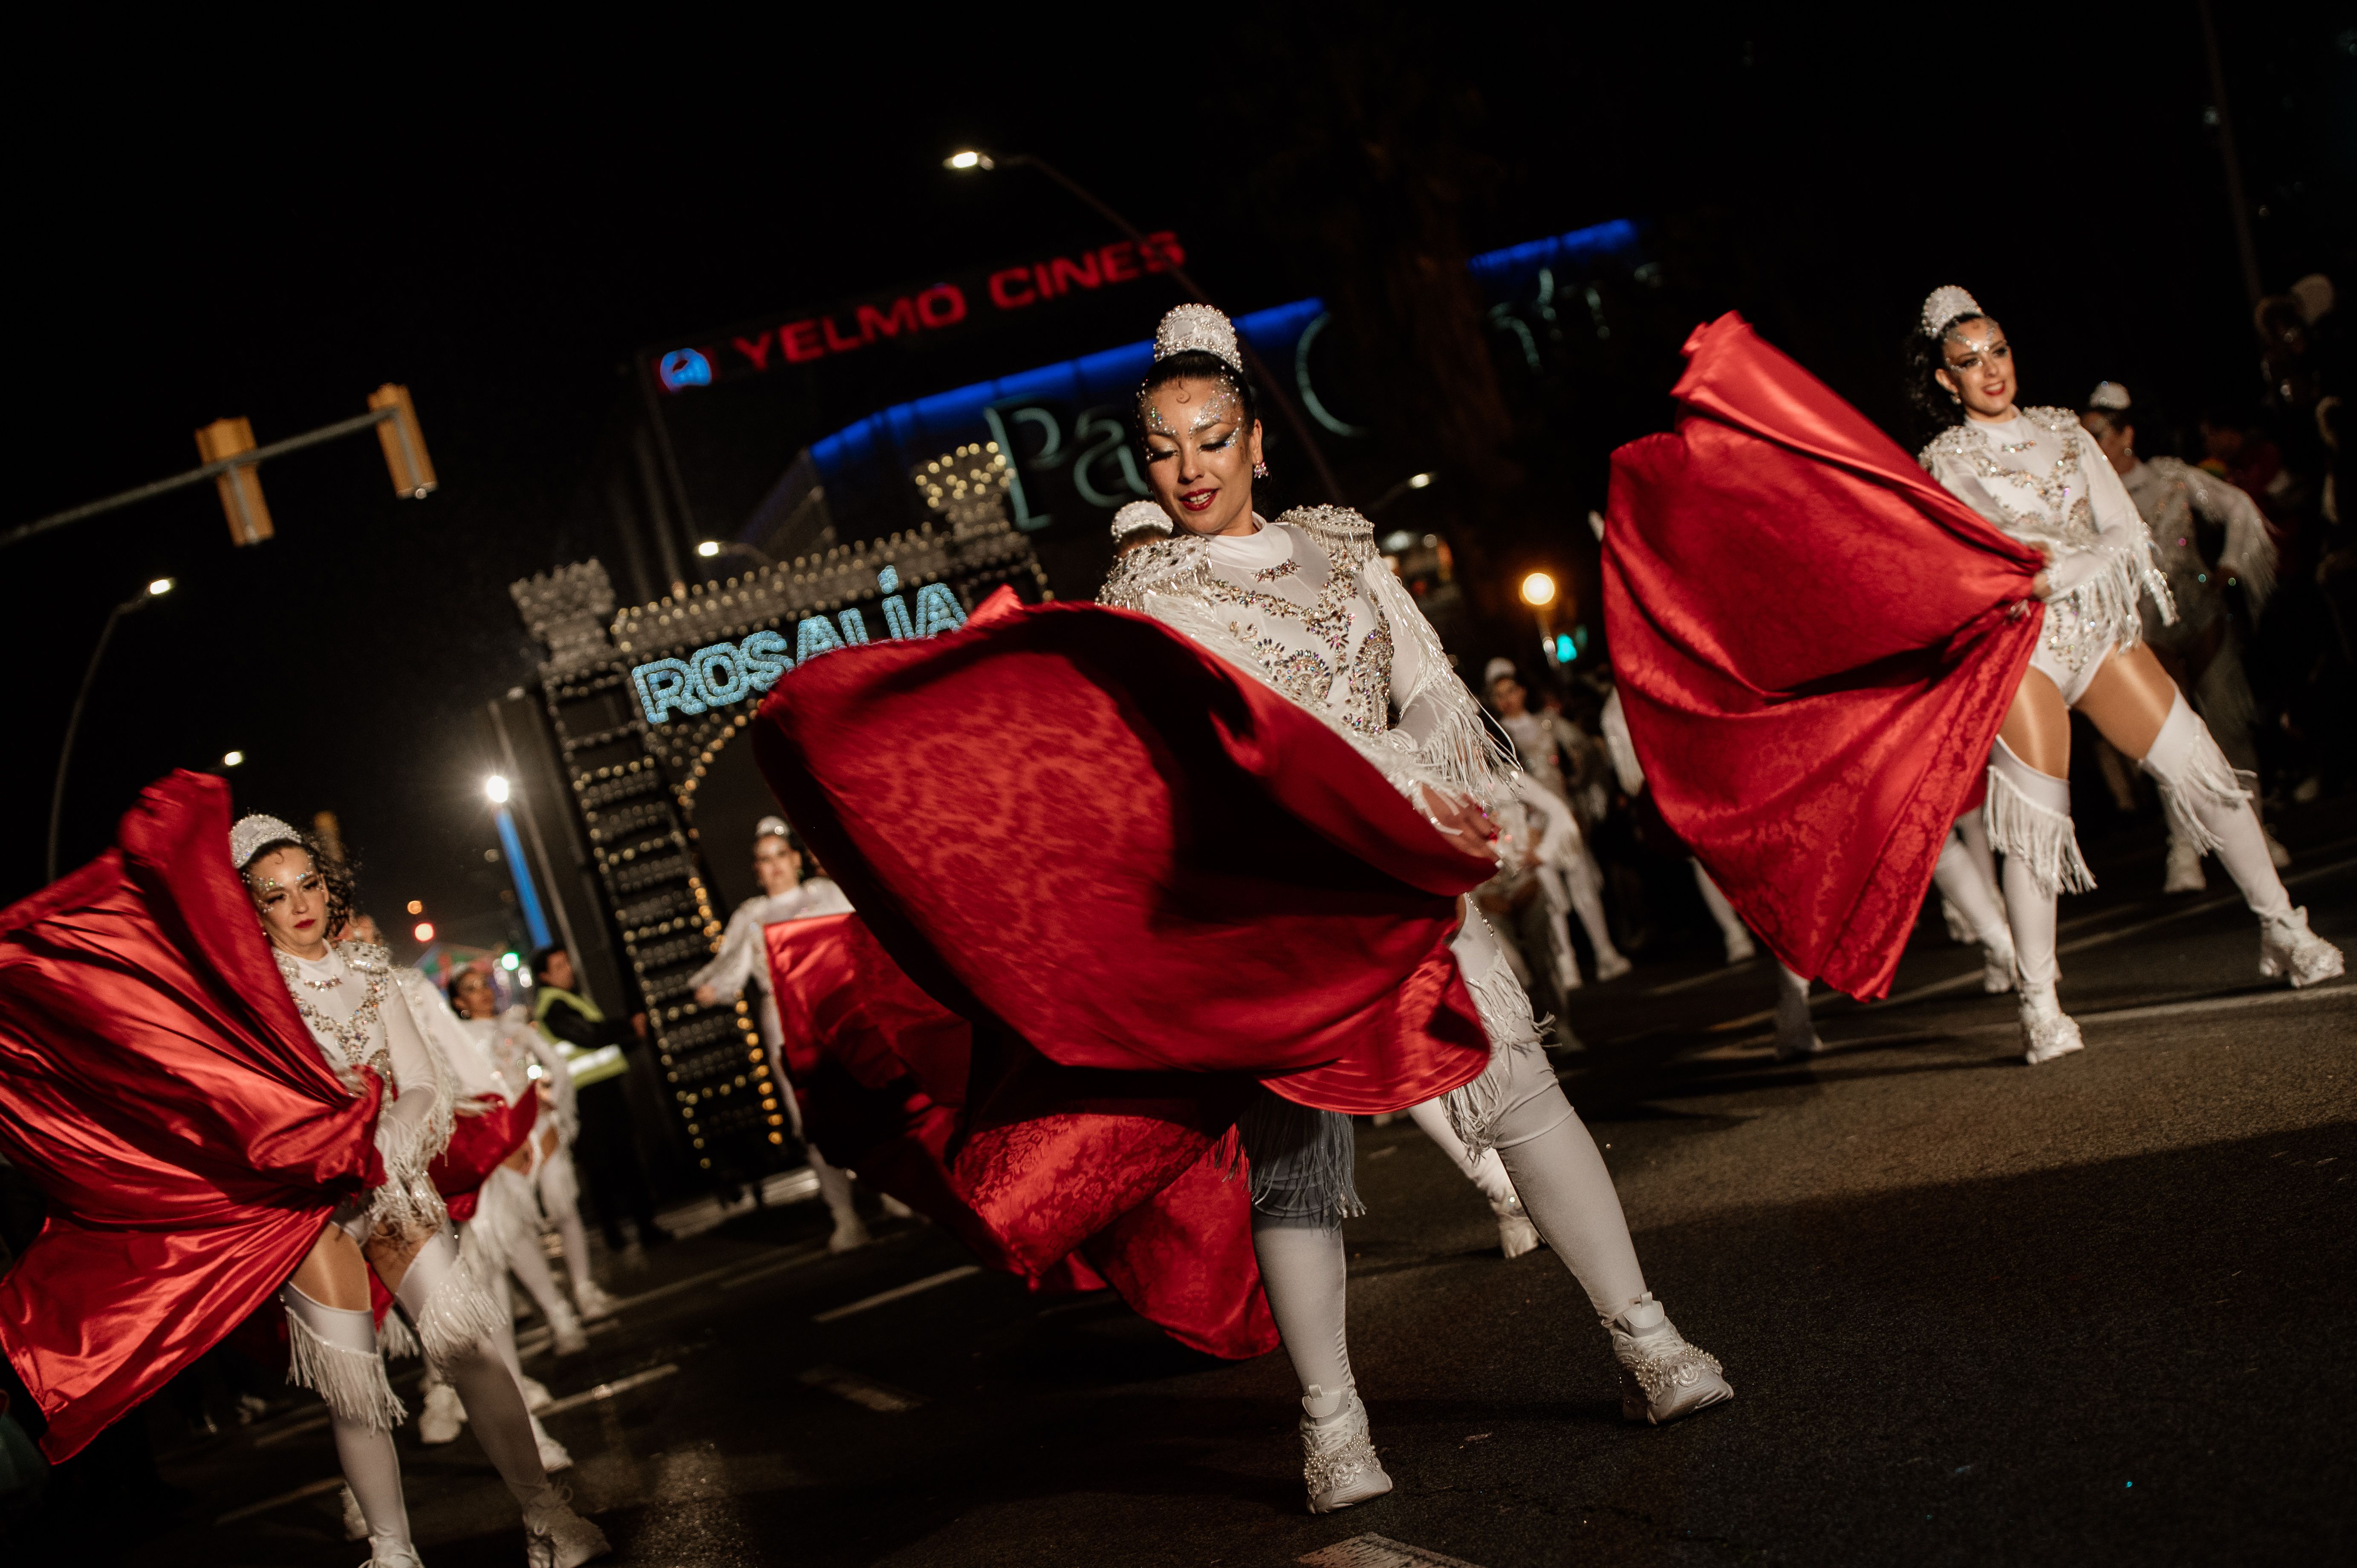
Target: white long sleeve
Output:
[{"x": 732, "y": 968}]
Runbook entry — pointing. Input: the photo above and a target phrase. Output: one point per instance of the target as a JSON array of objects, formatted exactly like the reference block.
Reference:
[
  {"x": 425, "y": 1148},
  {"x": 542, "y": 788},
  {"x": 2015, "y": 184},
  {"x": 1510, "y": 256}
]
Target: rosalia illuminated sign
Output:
[
  {"x": 720, "y": 673},
  {"x": 905, "y": 317}
]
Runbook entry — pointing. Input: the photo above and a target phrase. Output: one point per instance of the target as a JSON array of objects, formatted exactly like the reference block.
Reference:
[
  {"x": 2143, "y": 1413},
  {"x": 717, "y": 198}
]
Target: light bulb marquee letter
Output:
[{"x": 723, "y": 673}]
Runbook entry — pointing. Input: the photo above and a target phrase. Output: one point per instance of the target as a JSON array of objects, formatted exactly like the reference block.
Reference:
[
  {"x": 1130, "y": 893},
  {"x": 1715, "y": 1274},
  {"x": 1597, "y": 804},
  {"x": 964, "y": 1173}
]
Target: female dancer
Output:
[
  {"x": 744, "y": 960},
  {"x": 346, "y": 994},
  {"x": 1305, "y": 605},
  {"x": 2032, "y": 474}
]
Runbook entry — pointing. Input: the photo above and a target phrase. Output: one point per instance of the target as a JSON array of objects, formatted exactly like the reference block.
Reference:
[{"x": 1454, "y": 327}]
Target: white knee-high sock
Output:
[
  {"x": 1585, "y": 883},
  {"x": 523, "y": 1257},
  {"x": 1975, "y": 832},
  {"x": 433, "y": 1291},
  {"x": 358, "y": 1414},
  {"x": 560, "y": 1195},
  {"x": 2209, "y": 807},
  {"x": 2029, "y": 818},
  {"x": 1569, "y": 1194},
  {"x": 1959, "y": 879},
  {"x": 1731, "y": 929},
  {"x": 1304, "y": 1271}
]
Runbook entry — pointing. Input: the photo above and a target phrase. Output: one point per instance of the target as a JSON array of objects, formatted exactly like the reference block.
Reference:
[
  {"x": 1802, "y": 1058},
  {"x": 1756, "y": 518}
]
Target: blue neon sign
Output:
[
  {"x": 684, "y": 368},
  {"x": 720, "y": 673}
]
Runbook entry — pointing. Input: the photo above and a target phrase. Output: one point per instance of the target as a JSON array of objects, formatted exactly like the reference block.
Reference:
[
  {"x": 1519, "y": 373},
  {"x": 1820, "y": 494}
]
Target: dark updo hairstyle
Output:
[
  {"x": 343, "y": 894},
  {"x": 1935, "y": 407},
  {"x": 1195, "y": 365}
]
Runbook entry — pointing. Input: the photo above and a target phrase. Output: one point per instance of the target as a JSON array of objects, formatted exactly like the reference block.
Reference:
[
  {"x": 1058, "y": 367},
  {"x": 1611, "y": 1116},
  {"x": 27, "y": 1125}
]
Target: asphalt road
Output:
[{"x": 2101, "y": 1311}]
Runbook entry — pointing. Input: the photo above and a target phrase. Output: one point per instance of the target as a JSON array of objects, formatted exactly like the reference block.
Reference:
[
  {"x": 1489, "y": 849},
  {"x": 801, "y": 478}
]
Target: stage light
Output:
[
  {"x": 496, "y": 787},
  {"x": 968, "y": 158},
  {"x": 159, "y": 587},
  {"x": 708, "y": 549},
  {"x": 232, "y": 758},
  {"x": 417, "y": 907},
  {"x": 1538, "y": 589},
  {"x": 424, "y": 931}
]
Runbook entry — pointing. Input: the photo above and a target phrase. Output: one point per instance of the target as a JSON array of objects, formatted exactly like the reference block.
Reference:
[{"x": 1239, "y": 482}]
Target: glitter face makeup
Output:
[
  {"x": 1199, "y": 454},
  {"x": 1979, "y": 368}
]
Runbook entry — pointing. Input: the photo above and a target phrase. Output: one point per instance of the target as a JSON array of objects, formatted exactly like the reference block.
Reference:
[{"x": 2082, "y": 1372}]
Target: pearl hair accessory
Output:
[
  {"x": 251, "y": 833},
  {"x": 2109, "y": 396},
  {"x": 1199, "y": 326},
  {"x": 1944, "y": 305},
  {"x": 1140, "y": 514}
]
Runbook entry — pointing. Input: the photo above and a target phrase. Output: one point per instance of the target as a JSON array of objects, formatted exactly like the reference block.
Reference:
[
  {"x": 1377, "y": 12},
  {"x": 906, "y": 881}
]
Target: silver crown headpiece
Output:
[
  {"x": 1943, "y": 304},
  {"x": 1199, "y": 326},
  {"x": 2110, "y": 396},
  {"x": 251, "y": 833},
  {"x": 1140, "y": 514},
  {"x": 772, "y": 827}
]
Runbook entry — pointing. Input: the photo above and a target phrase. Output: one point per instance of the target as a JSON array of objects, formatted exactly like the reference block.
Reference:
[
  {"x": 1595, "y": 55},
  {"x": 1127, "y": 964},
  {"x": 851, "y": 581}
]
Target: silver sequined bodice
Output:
[{"x": 1322, "y": 641}]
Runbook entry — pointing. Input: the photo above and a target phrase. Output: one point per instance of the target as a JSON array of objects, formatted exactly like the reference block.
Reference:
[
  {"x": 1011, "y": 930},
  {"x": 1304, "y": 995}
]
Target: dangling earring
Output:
[{"x": 1260, "y": 470}]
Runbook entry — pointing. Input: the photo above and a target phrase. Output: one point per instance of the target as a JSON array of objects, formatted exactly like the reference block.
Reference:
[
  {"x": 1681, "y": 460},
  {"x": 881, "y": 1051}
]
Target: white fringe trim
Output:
[
  {"x": 394, "y": 1339},
  {"x": 352, "y": 1382},
  {"x": 458, "y": 1318},
  {"x": 2207, "y": 780},
  {"x": 1475, "y": 1109},
  {"x": 2042, "y": 838}
]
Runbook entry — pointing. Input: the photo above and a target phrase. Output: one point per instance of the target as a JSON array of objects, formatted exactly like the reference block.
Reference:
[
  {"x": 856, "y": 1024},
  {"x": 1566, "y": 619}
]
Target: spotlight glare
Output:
[
  {"x": 496, "y": 787},
  {"x": 1538, "y": 589},
  {"x": 967, "y": 158},
  {"x": 159, "y": 587},
  {"x": 424, "y": 931},
  {"x": 708, "y": 549},
  {"x": 232, "y": 758},
  {"x": 1418, "y": 481}
]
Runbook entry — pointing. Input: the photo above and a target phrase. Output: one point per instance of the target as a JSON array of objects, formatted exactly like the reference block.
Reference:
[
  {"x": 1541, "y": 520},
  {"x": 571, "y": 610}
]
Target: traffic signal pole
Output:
[{"x": 389, "y": 413}]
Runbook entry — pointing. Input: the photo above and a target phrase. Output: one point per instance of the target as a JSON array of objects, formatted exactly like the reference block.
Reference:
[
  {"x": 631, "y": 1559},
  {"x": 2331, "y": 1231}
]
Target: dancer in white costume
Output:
[
  {"x": 1569, "y": 877},
  {"x": 744, "y": 960},
  {"x": 358, "y": 1016},
  {"x": 1305, "y": 605},
  {"x": 2033, "y": 475},
  {"x": 508, "y": 1057},
  {"x": 2204, "y": 647}
]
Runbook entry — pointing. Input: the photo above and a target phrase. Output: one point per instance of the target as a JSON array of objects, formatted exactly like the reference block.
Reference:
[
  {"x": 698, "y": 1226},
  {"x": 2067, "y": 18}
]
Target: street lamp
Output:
[
  {"x": 156, "y": 590},
  {"x": 232, "y": 758},
  {"x": 968, "y": 158},
  {"x": 1538, "y": 590},
  {"x": 496, "y": 787},
  {"x": 1413, "y": 482}
]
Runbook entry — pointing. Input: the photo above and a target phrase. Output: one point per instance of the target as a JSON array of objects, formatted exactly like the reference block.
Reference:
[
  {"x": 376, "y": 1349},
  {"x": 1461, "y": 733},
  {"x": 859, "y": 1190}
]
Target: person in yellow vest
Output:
[{"x": 605, "y": 1151}]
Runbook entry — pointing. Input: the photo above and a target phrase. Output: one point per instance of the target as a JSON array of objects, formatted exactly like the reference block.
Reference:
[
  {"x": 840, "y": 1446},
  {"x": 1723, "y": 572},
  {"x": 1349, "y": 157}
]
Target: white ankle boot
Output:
[
  {"x": 536, "y": 1397},
  {"x": 2184, "y": 870},
  {"x": 385, "y": 1552},
  {"x": 2046, "y": 1031},
  {"x": 1996, "y": 965},
  {"x": 2287, "y": 947},
  {"x": 443, "y": 1415},
  {"x": 556, "y": 1537},
  {"x": 590, "y": 1300},
  {"x": 554, "y": 1456},
  {"x": 1516, "y": 1234},
  {"x": 1661, "y": 1376},
  {"x": 1796, "y": 1032},
  {"x": 1338, "y": 1466}
]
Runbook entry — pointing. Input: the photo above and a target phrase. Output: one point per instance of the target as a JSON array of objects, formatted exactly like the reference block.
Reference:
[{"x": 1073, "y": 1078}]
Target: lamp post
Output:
[
  {"x": 154, "y": 591},
  {"x": 973, "y": 158},
  {"x": 535, "y": 923},
  {"x": 1413, "y": 482},
  {"x": 1538, "y": 592}
]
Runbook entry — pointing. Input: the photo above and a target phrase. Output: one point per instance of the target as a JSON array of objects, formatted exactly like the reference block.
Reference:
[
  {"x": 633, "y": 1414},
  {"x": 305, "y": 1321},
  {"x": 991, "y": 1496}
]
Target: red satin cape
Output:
[
  {"x": 1815, "y": 645},
  {"x": 1072, "y": 826},
  {"x": 1074, "y": 1178},
  {"x": 158, "y": 1086}
]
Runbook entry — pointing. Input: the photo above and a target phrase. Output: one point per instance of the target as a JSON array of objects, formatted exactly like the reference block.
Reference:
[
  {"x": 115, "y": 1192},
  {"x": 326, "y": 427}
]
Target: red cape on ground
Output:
[
  {"x": 1074, "y": 827},
  {"x": 157, "y": 1085},
  {"x": 1815, "y": 645},
  {"x": 1076, "y": 1179}
]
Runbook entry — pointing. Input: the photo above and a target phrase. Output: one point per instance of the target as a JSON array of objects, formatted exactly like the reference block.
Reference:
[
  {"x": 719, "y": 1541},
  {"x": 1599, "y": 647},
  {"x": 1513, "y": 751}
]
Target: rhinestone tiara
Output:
[
  {"x": 251, "y": 833},
  {"x": 1140, "y": 514},
  {"x": 1197, "y": 327},
  {"x": 1943, "y": 304},
  {"x": 2109, "y": 395},
  {"x": 772, "y": 827}
]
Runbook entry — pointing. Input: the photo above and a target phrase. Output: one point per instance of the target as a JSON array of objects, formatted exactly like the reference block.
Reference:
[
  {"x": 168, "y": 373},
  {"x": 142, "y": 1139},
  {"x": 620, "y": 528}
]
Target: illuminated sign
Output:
[
  {"x": 723, "y": 672},
  {"x": 905, "y": 317}
]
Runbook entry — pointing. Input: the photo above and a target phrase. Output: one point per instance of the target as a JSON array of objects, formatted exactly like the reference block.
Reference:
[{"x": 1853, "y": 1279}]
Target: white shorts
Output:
[{"x": 2072, "y": 683}]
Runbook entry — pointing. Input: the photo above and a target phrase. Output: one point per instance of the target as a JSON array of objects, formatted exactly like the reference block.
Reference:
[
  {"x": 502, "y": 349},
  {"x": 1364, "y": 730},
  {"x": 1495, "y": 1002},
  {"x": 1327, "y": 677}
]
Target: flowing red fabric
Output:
[
  {"x": 157, "y": 1085},
  {"x": 1074, "y": 1178},
  {"x": 1074, "y": 827},
  {"x": 1815, "y": 645},
  {"x": 478, "y": 1145}
]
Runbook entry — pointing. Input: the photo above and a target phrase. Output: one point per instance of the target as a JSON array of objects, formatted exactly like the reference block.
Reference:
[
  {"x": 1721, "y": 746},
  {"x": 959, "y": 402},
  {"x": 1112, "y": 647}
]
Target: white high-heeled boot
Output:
[
  {"x": 2029, "y": 818},
  {"x": 1663, "y": 1377},
  {"x": 1338, "y": 1466}
]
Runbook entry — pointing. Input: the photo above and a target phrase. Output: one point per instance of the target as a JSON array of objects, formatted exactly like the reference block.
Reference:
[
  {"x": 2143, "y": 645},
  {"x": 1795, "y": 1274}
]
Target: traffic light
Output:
[
  {"x": 403, "y": 443},
  {"x": 240, "y": 487}
]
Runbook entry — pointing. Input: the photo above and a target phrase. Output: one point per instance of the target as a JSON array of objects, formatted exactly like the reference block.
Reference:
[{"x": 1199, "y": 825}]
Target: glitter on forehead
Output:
[
  {"x": 1974, "y": 337},
  {"x": 1225, "y": 403}
]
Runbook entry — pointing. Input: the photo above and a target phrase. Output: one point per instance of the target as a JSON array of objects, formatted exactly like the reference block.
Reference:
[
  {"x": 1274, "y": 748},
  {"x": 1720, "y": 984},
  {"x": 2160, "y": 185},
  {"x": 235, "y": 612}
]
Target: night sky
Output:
[{"x": 499, "y": 224}]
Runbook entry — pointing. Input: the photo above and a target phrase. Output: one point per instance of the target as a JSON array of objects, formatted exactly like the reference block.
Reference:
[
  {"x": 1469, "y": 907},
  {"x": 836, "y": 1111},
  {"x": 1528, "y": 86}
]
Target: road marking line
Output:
[
  {"x": 1736, "y": 1049},
  {"x": 281, "y": 1500},
  {"x": 1973, "y": 977},
  {"x": 608, "y": 1390},
  {"x": 1691, "y": 980},
  {"x": 1379, "y": 1552},
  {"x": 897, "y": 1291},
  {"x": 808, "y": 1252},
  {"x": 861, "y": 1391}
]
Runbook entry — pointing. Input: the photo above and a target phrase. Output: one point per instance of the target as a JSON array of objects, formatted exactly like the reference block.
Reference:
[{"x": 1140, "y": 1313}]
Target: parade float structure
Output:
[{"x": 640, "y": 809}]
